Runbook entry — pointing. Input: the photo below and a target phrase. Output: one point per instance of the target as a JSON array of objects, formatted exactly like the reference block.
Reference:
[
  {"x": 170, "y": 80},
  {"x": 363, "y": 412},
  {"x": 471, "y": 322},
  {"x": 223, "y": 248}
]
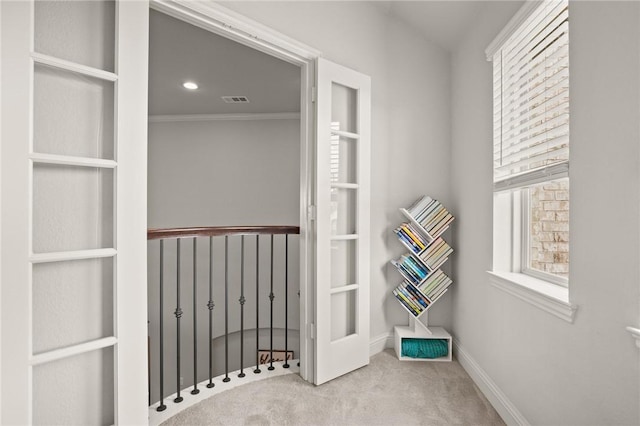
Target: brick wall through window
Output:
[{"x": 549, "y": 227}]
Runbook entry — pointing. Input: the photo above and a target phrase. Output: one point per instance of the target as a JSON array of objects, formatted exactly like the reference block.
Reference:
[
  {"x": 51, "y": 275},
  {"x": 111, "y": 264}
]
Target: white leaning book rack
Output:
[{"x": 423, "y": 280}]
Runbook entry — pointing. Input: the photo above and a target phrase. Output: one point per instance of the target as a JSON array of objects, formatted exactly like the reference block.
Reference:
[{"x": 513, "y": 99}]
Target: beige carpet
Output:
[{"x": 386, "y": 392}]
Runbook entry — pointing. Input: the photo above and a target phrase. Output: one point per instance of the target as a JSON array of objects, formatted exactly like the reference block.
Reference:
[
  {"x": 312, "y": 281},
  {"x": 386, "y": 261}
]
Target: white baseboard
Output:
[
  {"x": 380, "y": 343},
  {"x": 507, "y": 410}
]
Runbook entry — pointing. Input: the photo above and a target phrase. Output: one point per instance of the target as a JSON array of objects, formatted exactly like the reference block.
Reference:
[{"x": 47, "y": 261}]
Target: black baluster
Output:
[
  {"x": 161, "y": 407},
  {"x": 178, "y": 314},
  {"x": 195, "y": 390},
  {"x": 271, "y": 297},
  {"x": 286, "y": 301},
  {"x": 226, "y": 309},
  {"x": 210, "y": 306},
  {"x": 257, "y": 370},
  {"x": 241, "y": 300}
]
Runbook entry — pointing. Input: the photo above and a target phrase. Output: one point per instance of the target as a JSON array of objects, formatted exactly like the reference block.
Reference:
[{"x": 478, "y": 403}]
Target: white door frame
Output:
[{"x": 224, "y": 22}]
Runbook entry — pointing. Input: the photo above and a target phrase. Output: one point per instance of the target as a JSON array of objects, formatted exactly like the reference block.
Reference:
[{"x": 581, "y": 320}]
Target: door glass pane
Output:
[
  {"x": 343, "y": 159},
  {"x": 343, "y": 314},
  {"x": 73, "y": 114},
  {"x": 343, "y": 211},
  {"x": 75, "y": 391},
  {"x": 78, "y": 31},
  {"x": 343, "y": 262},
  {"x": 72, "y": 208},
  {"x": 344, "y": 108},
  {"x": 72, "y": 302}
]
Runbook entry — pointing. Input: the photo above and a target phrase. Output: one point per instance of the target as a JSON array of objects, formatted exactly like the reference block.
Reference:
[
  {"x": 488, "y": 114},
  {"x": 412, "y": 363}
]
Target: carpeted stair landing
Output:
[{"x": 387, "y": 392}]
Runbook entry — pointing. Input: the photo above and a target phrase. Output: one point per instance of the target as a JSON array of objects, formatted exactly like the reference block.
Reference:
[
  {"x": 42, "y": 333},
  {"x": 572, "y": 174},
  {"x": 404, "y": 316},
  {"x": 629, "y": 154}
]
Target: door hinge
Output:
[
  {"x": 311, "y": 330},
  {"x": 314, "y": 94},
  {"x": 311, "y": 212}
]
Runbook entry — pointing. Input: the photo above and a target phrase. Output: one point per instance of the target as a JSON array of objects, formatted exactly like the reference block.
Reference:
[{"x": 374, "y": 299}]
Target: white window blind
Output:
[{"x": 531, "y": 98}]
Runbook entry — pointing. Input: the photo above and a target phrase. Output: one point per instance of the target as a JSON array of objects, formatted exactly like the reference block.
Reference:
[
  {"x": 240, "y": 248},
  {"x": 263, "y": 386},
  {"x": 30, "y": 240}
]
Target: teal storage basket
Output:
[{"x": 425, "y": 348}]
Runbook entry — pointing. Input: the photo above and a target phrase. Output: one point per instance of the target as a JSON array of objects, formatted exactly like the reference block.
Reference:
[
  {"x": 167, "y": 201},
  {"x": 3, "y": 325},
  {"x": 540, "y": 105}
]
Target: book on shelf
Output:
[
  {"x": 417, "y": 295},
  {"x": 437, "y": 243},
  {"x": 414, "y": 235},
  {"x": 436, "y": 253},
  {"x": 434, "y": 280},
  {"x": 431, "y": 209},
  {"x": 407, "y": 241},
  {"x": 437, "y": 295},
  {"x": 411, "y": 298},
  {"x": 406, "y": 272},
  {"x": 424, "y": 301},
  {"x": 417, "y": 267},
  {"x": 411, "y": 236},
  {"x": 409, "y": 264},
  {"x": 437, "y": 228},
  {"x": 423, "y": 281},
  {"x": 402, "y": 302},
  {"x": 436, "y": 290},
  {"x": 438, "y": 287},
  {"x": 410, "y": 307},
  {"x": 419, "y": 205},
  {"x": 434, "y": 219},
  {"x": 441, "y": 259}
]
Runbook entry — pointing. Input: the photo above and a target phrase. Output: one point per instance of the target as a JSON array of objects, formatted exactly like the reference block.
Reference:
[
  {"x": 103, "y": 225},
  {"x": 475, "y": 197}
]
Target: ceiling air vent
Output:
[{"x": 235, "y": 99}]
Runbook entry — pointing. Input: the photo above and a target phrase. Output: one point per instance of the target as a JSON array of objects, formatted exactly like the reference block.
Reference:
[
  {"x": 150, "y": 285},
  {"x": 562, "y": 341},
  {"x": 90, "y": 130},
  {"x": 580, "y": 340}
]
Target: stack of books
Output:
[
  {"x": 411, "y": 298},
  {"x": 411, "y": 237},
  {"x": 413, "y": 271},
  {"x": 431, "y": 215},
  {"x": 436, "y": 254},
  {"x": 434, "y": 286}
]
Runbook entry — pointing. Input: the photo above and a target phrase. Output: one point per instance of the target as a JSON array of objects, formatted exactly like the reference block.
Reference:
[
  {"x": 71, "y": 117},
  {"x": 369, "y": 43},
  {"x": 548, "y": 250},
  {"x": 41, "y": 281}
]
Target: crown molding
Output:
[
  {"x": 223, "y": 117},
  {"x": 224, "y": 21}
]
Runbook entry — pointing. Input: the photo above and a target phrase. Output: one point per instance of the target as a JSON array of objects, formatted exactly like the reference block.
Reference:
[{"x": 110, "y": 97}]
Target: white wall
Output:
[
  {"x": 552, "y": 371},
  {"x": 410, "y": 119}
]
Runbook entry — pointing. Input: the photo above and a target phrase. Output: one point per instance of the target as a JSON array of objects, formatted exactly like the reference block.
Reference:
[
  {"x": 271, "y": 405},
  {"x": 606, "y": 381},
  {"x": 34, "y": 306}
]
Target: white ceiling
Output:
[
  {"x": 179, "y": 51},
  {"x": 444, "y": 22}
]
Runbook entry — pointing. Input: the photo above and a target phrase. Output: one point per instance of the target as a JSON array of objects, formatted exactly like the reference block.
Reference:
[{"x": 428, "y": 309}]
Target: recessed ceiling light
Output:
[{"x": 190, "y": 85}]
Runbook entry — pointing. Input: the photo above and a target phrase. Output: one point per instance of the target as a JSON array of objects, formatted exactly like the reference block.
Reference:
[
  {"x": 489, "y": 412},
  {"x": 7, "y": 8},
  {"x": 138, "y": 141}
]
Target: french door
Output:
[
  {"x": 73, "y": 218},
  {"x": 73, "y": 179},
  {"x": 342, "y": 227}
]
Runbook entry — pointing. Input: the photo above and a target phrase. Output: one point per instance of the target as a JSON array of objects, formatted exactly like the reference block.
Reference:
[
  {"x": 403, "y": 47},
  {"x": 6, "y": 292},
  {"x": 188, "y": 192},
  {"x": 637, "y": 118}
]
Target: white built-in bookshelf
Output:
[{"x": 423, "y": 283}]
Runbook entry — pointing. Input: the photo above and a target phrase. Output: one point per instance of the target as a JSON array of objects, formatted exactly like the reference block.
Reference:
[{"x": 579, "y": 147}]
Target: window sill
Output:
[
  {"x": 542, "y": 294},
  {"x": 635, "y": 332}
]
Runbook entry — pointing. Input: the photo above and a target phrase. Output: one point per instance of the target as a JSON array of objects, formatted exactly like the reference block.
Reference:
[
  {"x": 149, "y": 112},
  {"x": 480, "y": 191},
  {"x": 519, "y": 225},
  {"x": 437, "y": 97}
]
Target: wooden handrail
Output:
[{"x": 214, "y": 231}]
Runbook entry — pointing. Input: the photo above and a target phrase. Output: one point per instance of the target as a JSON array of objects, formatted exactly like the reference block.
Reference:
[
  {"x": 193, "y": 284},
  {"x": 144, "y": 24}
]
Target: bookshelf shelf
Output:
[
  {"x": 423, "y": 282},
  {"x": 407, "y": 332}
]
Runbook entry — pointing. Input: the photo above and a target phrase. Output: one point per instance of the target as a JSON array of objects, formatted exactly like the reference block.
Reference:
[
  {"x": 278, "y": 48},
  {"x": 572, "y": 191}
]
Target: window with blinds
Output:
[
  {"x": 531, "y": 99},
  {"x": 531, "y": 142}
]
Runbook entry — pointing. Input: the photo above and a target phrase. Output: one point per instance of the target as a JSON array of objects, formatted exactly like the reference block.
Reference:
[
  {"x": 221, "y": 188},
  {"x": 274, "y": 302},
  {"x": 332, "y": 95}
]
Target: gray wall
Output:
[
  {"x": 253, "y": 165},
  {"x": 410, "y": 150},
  {"x": 552, "y": 371}
]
